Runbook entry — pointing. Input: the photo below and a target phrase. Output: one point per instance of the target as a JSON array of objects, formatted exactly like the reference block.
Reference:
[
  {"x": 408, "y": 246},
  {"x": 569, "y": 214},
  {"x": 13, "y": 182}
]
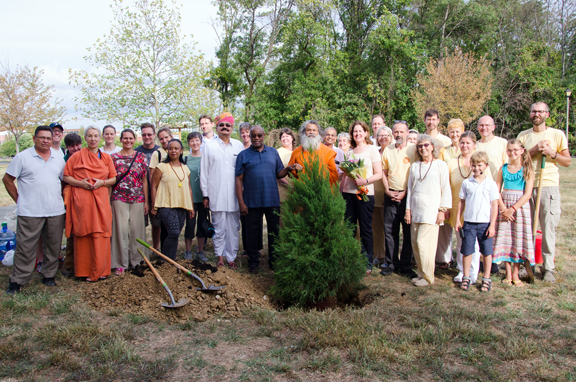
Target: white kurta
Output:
[
  {"x": 217, "y": 174},
  {"x": 426, "y": 196}
]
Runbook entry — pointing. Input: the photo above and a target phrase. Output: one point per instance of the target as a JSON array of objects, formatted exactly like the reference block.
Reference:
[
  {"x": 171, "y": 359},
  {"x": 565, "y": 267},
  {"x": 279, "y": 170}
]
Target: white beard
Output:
[{"x": 310, "y": 142}]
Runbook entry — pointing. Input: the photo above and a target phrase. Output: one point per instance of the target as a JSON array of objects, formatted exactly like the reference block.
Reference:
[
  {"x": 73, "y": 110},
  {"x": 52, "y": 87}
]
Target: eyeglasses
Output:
[
  {"x": 256, "y": 135},
  {"x": 538, "y": 111},
  {"x": 44, "y": 138},
  {"x": 224, "y": 124},
  {"x": 147, "y": 135},
  {"x": 510, "y": 151},
  {"x": 400, "y": 121},
  {"x": 423, "y": 145}
]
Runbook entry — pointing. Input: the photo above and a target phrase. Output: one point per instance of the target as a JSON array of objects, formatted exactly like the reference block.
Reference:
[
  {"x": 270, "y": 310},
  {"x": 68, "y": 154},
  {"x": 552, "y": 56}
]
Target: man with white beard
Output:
[{"x": 311, "y": 139}]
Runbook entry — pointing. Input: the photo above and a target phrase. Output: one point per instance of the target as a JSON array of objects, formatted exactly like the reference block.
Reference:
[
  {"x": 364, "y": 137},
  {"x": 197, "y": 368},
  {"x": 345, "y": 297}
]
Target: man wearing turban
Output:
[{"x": 217, "y": 182}]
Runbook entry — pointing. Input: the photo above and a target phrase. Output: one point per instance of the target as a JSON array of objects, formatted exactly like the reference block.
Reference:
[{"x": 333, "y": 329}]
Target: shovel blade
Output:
[
  {"x": 211, "y": 288},
  {"x": 178, "y": 304}
]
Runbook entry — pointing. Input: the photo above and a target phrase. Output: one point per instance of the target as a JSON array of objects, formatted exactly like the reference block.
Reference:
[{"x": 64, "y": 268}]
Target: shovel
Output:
[
  {"x": 211, "y": 288},
  {"x": 536, "y": 213},
  {"x": 173, "y": 304}
]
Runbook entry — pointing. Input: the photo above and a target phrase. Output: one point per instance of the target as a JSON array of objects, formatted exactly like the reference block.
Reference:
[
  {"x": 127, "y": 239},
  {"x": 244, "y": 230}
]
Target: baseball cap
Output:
[{"x": 56, "y": 125}]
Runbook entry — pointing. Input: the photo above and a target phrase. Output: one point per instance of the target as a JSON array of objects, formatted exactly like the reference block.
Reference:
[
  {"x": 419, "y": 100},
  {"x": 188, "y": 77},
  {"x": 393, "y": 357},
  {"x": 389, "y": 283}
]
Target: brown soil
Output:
[{"x": 140, "y": 293}]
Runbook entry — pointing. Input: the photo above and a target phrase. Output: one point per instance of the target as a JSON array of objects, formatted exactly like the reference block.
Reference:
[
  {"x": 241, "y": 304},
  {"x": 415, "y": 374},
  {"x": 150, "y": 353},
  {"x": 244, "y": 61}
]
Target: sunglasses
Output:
[
  {"x": 256, "y": 135},
  {"x": 423, "y": 145},
  {"x": 400, "y": 121},
  {"x": 224, "y": 124}
]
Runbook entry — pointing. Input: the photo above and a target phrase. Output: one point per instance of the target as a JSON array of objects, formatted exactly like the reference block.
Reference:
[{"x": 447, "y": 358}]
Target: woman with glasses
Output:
[
  {"x": 428, "y": 199},
  {"x": 89, "y": 173},
  {"x": 129, "y": 203},
  {"x": 193, "y": 164}
]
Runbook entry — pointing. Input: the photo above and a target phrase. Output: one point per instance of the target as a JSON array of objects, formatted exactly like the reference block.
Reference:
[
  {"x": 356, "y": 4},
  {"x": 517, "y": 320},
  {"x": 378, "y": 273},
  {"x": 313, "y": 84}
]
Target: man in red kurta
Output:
[{"x": 311, "y": 139}]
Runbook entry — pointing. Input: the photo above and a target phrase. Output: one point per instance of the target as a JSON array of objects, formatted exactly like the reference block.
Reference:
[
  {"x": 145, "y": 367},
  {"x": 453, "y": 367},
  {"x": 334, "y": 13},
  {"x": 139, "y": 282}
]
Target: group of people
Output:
[{"x": 426, "y": 185}]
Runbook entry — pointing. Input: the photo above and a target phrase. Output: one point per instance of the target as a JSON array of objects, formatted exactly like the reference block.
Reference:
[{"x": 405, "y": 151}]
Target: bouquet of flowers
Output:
[{"x": 354, "y": 168}]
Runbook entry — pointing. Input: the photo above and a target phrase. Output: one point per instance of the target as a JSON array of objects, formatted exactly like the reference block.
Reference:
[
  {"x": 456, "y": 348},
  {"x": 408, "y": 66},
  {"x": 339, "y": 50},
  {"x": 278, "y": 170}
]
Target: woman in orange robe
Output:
[{"x": 89, "y": 173}]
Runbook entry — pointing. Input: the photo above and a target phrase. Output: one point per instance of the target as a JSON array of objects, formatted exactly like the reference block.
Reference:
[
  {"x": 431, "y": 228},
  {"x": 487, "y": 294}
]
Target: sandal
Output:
[
  {"x": 465, "y": 283},
  {"x": 507, "y": 281},
  {"x": 486, "y": 284},
  {"x": 232, "y": 265},
  {"x": 220, "y": 262},
  {"x": 517, "y": 283},
  {"x": 444, "y": 266},
  {"x": 119, "y": 271}
]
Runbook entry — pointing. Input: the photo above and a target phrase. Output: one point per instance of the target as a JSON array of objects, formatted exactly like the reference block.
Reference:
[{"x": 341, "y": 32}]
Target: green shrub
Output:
[
  {"x": 8, "y": 148},
  {"x": 318, "y": 257}
]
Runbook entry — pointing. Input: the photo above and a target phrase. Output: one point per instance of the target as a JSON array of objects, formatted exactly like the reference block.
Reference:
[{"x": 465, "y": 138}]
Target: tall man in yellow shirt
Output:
[{"x": 542, "y": 140}]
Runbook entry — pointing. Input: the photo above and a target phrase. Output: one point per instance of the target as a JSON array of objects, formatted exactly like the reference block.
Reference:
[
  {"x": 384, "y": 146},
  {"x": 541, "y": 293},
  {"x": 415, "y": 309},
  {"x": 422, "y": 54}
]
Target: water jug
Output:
[{"x": 7, "y": 240}]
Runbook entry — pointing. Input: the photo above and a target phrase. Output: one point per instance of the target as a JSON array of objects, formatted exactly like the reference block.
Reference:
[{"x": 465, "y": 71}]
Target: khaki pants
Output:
[
  {"x": 128, "y": 225},
  {"x": 549, "y": 217},
  {"x": 424, "y": 243},
  {"x": 28, "y": 232}
]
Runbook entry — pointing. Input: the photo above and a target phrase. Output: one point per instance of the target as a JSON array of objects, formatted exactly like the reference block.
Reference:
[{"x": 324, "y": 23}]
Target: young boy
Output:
[{"x": 480, "y": 197}]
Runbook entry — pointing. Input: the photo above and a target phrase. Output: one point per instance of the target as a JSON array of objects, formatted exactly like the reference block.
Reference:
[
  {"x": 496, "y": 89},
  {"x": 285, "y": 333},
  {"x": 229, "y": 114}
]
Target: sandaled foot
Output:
[
  {"x": 518, "y": 283},
  {"x": 220, "y": 262},
  {"x": 119, "y": 271},
  {"x": 507, "y": 281},
  {"x": 465, "y": 283},
  {"x": 486, "y": 285},
  {"x": 232, "y": 265},
  {"x": 444, "y": 266}
]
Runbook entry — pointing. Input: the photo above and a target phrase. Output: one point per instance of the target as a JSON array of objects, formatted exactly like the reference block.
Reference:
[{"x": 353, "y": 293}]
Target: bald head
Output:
[
  {"x": 330, "y": 135},
  {"x": 486, "y": 127}
]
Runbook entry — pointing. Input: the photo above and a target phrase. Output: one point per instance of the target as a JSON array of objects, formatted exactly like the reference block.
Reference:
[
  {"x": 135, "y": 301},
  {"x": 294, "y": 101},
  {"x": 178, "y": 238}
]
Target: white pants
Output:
[
  {"x": 444, "y": 249},
  {"x": 475, "y": 266},
  {"x": 127, "y": 226},
  {"x": 226, "y": 234}
]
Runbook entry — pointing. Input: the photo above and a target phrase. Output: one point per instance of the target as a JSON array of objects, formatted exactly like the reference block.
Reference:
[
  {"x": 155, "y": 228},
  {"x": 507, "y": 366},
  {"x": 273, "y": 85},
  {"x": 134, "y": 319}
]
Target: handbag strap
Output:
[{"x": 119, "y": 179}]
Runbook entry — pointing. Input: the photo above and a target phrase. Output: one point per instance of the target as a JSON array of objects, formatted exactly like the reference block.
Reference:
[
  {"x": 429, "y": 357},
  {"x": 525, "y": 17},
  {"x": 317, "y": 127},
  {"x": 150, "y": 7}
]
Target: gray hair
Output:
[
  {"x": 427, "y": 138},
  {"x": 311, "y": 122},
  {"x": 345, "y": 136},
  {"x": 389, "y": 130},
  {"x": 413, "y": 131},
  {"x": 92, "y": 127},
  {"x": 166, "y": 130}
]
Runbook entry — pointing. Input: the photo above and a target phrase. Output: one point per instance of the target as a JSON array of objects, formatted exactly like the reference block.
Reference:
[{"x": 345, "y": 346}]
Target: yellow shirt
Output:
[
  {"x": 457, "y": 176},
  {"x": 496, "y": 151},
  {"x": 442, "y": 139},
  {"x": 558, "y": 142},
  {"x": 397, "y": 163},
  {"x": 449, "y": 152},
  {"x": 154, "y": 158},
  {"x": 174, "y": 188},
  {"x": 285, "y": 155}
]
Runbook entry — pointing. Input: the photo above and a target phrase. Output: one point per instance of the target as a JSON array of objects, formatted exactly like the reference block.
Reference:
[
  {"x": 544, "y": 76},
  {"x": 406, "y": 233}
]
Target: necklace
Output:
[
  {"x": 183, "y": 175},
  {"x": 460, "y": 170},
  {"x": 425, "y": 175}
]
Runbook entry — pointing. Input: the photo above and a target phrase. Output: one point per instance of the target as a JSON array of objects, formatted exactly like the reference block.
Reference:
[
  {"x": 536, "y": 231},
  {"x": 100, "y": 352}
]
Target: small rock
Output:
[{"x": 208, "y": 272}]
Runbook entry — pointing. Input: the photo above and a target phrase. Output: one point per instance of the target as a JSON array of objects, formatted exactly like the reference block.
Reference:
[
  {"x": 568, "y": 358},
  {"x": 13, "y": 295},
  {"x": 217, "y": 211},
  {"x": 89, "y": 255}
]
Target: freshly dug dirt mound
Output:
[{"x": 139, "y": 292}]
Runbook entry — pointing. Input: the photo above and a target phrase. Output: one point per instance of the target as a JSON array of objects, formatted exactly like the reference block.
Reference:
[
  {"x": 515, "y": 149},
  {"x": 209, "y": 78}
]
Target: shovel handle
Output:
[
  {"x": 163, "y": 256},
  {"x": 152, "y": 268}
]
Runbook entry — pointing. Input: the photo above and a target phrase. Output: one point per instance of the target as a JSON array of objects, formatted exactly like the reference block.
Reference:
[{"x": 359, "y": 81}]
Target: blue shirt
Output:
[{"x": 260, "y": 169}]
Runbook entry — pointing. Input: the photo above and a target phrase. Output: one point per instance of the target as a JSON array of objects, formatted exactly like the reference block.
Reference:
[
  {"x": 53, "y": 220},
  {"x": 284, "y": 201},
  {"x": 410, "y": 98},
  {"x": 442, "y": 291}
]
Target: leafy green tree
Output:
[
  {"x": 318, "y": 257},
  {"x": 144, "y": 71},
  {"x": 25, "y": 102},
  {"x": 9, "y": 147}
]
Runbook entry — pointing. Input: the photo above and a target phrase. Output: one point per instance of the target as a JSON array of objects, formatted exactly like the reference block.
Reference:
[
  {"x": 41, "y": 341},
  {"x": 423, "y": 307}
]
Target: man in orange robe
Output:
[
  {"x": 89, "y": 215},
  {"x": 311, "y": 140}
]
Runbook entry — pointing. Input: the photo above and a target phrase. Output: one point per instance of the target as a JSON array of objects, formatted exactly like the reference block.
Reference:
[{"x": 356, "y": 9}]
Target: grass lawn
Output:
[
  {"x": 404, "y": 333},
  {"x": 5, "y": 199}
]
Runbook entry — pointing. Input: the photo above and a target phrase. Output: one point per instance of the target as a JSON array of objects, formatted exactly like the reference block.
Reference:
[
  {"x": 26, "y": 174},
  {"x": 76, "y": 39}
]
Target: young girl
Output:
[{"x": 514, "y": 243}]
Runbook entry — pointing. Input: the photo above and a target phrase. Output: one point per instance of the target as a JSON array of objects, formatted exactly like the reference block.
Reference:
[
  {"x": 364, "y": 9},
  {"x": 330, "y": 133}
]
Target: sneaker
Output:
[
  {"x": 188, "y": 255},
  {"x": 387, "y": 271},
  {"x": 458, "y": 278},
  {"x": 422, "y": 282},
  {"x": 49, "y": 282},
  {"x": 13, "y": 288},
  {"x": 549, "y": 277},
  {"x": 201, "y": 256}
]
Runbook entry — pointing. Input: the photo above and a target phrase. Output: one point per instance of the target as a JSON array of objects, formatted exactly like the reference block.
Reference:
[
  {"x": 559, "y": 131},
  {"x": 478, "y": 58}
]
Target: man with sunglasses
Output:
[
  {"x": 396, "y": 161},
  {"x": 257, "y": 169},
  {"x": 543, "y": 141},
  {"x": 218, "y": 185}
]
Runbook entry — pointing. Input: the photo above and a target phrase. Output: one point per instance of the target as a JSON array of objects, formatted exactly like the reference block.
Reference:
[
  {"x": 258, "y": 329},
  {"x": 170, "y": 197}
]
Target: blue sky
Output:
[{"x": 54, "y": 36}]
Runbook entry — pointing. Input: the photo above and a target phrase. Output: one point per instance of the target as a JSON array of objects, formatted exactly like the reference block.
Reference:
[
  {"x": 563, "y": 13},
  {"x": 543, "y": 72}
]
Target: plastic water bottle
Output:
[{"x": 7, "y": 240}]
